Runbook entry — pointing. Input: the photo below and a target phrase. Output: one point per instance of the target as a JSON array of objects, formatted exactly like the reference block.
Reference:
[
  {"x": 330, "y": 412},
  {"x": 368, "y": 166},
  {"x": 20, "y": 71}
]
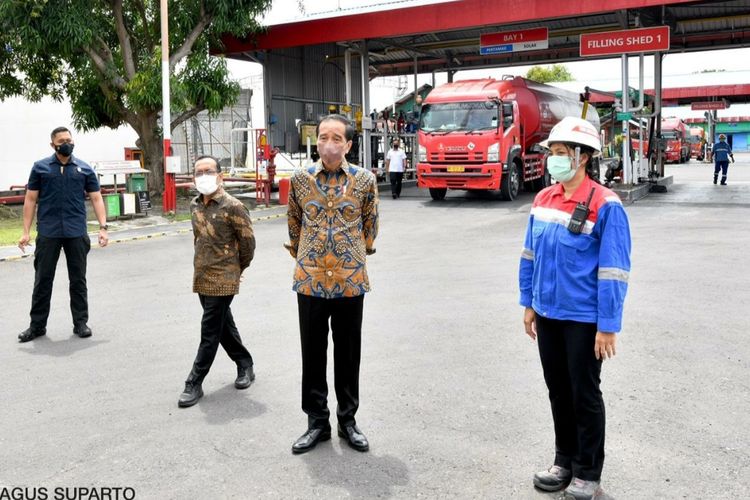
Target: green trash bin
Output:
[
  {"x": 112, "y": 205},
  {"x": 136, "y": 182}
]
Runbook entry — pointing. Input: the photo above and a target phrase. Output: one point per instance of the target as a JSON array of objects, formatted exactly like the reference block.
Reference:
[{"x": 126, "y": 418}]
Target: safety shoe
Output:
[
  {"x": 581, "y": 489},
  {"x": 31, "y": 334},
  {"x": 245, "y": 377},
  {"x": 192, "y": 393},
  {"x": 553, "y": 479},
  {"x": 715, "y": 180}
]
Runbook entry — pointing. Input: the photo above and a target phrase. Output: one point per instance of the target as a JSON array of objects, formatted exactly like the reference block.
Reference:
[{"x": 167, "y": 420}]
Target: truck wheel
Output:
[
  {"x": 511, "y": 183},
  {"x": 438, "y": 193}
]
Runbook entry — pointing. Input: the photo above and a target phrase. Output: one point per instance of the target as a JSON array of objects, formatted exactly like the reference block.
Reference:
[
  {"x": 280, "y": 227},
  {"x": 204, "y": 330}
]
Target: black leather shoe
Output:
[
  {"x": 192, "y": 393},
  {"x": 354, "y": 437},
  {"x": 310, "y": 440},
  {"x": 31, "y": 334},
  {"x": 245, "y": 377},
  {"x": 82, "y": 330}
]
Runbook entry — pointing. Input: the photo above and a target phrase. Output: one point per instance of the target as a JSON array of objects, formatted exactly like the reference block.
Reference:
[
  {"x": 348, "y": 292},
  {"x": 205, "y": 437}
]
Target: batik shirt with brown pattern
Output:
[
  {"x": 333, "y": 222},
  {"x": 224, "y": 244}
]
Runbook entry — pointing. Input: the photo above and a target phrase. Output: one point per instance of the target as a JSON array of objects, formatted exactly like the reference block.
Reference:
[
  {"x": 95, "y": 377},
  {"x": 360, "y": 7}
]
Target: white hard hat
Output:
[{"x": 574, "y": 130}]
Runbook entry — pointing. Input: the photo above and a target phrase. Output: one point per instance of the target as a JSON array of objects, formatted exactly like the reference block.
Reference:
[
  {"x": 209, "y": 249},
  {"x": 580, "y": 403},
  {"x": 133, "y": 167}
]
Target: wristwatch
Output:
[{"x": 104, "y": 226}]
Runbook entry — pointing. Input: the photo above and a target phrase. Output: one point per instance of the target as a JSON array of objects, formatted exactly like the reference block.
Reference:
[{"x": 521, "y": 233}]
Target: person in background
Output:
[
  {"x": 224, "y": 247},
  {"x": 721, "y": 153},
  {"x": 333, "y": 223},
  {"x": 57, "y": 191},
  {"x": 573, "y": 278},
  {"x": 395, "y": 165}
]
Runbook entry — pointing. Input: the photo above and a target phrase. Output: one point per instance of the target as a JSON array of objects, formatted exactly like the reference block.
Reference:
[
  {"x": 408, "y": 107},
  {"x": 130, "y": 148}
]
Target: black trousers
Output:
[
  {"x": 217, "y": 328},
  {"x": 46, "y": 255},
  {"x": 572, "y": 374},
  {"x": 396, "y": 178},
  {"x": 345, "y": 315}
]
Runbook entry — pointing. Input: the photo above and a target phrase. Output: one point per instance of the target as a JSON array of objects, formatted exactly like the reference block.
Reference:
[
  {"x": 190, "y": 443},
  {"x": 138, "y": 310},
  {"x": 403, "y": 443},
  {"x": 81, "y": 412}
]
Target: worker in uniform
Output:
[
  {"x": 333, "y": 223},
  {"x": 224, "y": 246},
  {"x": 56, "y": 192},
  {"x": 722, "y": 152},
  {"x": 573, "y": 278}
]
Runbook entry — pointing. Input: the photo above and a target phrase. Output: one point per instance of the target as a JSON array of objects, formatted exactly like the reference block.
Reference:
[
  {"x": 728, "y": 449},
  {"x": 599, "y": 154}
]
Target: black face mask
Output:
[{"x": 65, "y": 149}]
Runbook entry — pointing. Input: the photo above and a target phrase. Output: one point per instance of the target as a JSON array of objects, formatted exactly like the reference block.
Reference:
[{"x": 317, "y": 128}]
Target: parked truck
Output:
[
  {"x": 485, "y": 134},
  {"x": 676, "y": 139},
  {"x": 697, "y": 143}
]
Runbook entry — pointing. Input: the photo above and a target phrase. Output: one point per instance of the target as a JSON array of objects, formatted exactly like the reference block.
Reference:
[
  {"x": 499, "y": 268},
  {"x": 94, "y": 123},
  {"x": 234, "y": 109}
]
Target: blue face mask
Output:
[{"x": 559, "y": 167}]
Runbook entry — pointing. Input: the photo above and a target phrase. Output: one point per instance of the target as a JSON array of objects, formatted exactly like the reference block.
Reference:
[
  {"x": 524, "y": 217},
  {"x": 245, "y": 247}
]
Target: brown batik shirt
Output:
[
  {"x": 333, "y": 223},
  {"x": 224, "y": 244}
]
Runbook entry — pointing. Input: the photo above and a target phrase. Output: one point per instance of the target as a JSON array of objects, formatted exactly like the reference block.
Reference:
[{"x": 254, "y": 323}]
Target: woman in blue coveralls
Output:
[{"x": 573, "y": 279}]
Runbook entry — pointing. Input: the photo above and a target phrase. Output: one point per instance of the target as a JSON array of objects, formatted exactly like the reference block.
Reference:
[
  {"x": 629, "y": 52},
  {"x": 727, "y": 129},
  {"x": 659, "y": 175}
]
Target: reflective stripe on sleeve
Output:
[
  {"x": 527, "y": 254},
  {"x": 613, "y": 273}
]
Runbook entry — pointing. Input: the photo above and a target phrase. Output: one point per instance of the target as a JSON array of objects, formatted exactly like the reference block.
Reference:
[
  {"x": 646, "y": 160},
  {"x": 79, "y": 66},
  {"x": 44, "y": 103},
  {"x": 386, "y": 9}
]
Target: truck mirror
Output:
[{"x": 507, "y": 114}]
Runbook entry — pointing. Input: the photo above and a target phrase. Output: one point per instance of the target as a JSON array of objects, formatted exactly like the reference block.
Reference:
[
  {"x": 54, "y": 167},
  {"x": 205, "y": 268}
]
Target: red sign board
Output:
[
  {"x": 709, "y": 105},
  {"x": 624, "y": 42},
  {"x": 532, "y": 35},
  {"x": 514, "y": 41}
]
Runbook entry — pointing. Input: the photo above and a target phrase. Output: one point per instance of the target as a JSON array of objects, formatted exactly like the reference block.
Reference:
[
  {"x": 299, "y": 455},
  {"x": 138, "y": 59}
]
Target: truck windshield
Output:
[
  {"x": 670, "y": 134},
  {"x": 458, "y": 116}
]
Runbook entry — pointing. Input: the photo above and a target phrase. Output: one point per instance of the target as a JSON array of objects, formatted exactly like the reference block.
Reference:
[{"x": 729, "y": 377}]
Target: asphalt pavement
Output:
[{"x": 452, "y": 395}]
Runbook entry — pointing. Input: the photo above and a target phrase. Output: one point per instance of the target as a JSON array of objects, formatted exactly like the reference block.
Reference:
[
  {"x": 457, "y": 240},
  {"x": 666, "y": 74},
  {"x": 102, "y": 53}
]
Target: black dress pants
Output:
[
  {"x": 46, "y": 255},
  {"x": 217, "y": 328},
  {"x": 345, "y": 315},
  {"x": 396, "y": 178},
  {"x": 572, "y": 374}
]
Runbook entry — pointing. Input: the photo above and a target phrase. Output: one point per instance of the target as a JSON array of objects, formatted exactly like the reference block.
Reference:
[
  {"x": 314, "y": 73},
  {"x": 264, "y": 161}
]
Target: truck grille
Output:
[{"x": 460, "y": 157}]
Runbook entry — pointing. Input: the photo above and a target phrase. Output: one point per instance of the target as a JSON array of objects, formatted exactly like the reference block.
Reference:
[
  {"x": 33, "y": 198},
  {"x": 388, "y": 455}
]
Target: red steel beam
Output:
[{"x": 449, "y": 16}]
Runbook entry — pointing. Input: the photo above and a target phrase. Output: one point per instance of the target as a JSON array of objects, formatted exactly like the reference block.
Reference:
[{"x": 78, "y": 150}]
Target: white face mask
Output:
[{"x": 206, "y": 184}]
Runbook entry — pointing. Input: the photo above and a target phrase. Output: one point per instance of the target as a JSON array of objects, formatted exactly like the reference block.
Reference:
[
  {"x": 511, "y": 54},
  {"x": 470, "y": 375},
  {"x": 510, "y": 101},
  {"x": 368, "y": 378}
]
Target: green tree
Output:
[
  {"x": 545, "y": 74},
  {"x": 104, "y": 56}
]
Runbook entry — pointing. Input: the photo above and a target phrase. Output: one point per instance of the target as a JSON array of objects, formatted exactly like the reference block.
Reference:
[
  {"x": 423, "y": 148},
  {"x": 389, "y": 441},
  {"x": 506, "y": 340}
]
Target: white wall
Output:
[{"x": 25, "y": 129}]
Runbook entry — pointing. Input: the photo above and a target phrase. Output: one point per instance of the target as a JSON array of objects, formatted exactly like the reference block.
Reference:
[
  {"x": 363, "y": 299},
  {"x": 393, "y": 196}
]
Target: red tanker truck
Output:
[
  {"x": 484, "y": 135},
  {"x": 675, "y": 134}
]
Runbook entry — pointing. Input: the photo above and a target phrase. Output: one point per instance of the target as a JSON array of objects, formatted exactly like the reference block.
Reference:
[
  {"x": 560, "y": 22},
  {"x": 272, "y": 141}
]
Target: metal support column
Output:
[
  {"x": 365, "y": 67},
  {"x": 348, "y": 81},
  {"x": 659, "y": 157},
  {"x": 627, "y": 167}
]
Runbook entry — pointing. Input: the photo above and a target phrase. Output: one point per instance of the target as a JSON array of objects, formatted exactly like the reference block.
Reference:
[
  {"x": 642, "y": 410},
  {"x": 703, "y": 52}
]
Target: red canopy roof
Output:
[{"x": 450, "y": 16}]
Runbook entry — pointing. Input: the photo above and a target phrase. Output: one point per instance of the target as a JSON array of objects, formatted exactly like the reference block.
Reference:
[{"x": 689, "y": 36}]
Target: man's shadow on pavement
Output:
[
  {"x": 60, "y": 348},
  {"x": 364, "y": 475},
  {"x": 229, "y": 404}
]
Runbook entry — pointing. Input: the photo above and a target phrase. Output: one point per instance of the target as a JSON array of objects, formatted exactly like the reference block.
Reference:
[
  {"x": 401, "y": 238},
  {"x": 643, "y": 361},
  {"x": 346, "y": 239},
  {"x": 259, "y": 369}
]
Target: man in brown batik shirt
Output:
[{"x": 224, "y": 246}]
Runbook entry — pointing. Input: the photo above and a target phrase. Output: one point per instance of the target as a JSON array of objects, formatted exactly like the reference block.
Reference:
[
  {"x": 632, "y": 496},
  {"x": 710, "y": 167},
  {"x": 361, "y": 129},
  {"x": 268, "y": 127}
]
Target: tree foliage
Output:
[
  {"x": 105, "y": 57},
  {"x": 546, "y": 74}
]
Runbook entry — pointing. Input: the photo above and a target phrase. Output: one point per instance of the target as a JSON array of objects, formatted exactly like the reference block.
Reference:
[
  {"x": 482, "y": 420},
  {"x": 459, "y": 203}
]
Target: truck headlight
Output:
[
  {"x": 422, "y": 154},
  {"x": 493, "y": 153}
]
